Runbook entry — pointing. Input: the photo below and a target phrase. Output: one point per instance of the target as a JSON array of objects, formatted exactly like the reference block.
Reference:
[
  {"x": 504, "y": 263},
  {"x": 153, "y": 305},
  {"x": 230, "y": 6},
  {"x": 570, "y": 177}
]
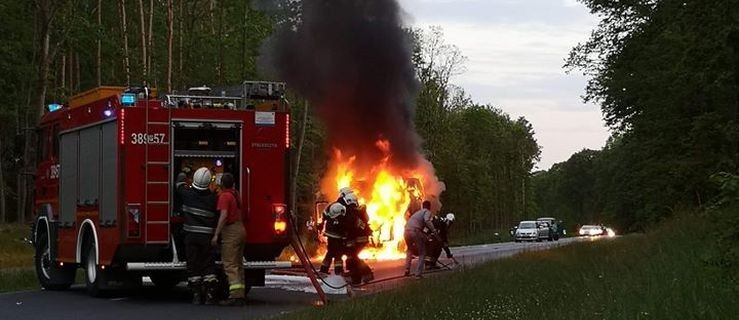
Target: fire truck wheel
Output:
[
  {"x": 95, "y": 276},
  {"x": 50, "y": 275}
]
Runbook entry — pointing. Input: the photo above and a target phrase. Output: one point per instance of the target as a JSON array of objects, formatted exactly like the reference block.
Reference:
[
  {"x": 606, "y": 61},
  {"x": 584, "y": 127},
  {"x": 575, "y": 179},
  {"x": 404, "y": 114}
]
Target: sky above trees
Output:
[{"x": 515, "y": 50}]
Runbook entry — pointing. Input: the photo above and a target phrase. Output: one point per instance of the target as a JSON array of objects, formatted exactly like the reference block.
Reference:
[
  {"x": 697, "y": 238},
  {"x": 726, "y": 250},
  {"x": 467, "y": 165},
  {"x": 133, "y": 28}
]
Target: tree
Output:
[{"x": 665, "y": 75}]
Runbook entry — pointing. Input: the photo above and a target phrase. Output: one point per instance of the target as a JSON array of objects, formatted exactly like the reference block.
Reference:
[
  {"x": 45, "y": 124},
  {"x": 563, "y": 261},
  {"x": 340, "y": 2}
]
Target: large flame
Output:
[{"x": 388, "y": 193}]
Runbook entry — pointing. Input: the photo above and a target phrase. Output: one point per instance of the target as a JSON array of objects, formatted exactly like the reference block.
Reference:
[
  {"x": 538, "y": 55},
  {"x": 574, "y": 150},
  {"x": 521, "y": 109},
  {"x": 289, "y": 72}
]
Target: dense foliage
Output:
[
  {"x": 666, "y": 74},
  {"x": 482, "y": 155}
]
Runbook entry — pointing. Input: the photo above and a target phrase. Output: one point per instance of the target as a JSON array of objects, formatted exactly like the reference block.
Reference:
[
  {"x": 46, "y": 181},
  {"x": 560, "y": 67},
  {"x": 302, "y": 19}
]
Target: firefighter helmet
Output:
[
  {"x": 201, "y": 178},
  {"x": 351, "y": 199},
  {"x": 336, "y": 209},
  {"x": 344, "y": 191},
  {"x": 450, "y": 217}
]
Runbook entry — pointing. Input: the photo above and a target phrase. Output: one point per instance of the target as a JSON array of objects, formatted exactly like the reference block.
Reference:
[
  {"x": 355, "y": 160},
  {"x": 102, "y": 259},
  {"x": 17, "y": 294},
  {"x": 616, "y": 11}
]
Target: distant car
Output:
[
  {"x": 530, "y": 231},
  {"x": 592, "y": 230},
  {"x": 556, "y": 230}
]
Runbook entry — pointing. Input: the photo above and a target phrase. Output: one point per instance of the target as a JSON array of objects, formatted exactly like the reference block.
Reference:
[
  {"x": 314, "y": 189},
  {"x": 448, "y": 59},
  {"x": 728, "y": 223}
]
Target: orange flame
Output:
[{"x": 388, "y": 194}]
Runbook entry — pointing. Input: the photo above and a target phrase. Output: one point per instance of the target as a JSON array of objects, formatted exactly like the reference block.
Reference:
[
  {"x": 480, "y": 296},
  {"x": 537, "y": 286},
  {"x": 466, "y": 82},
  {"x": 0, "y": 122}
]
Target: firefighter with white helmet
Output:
[
  {"x": 436, "y": 244},
  {"x": 198, "y": 205},
  {"x": 358, "y": 233},
  {"x": 333, "y": 220}
]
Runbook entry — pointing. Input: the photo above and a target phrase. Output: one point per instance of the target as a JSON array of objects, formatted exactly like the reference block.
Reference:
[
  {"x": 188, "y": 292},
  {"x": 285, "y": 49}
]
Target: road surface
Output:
[{"x": 282, "y": 294}]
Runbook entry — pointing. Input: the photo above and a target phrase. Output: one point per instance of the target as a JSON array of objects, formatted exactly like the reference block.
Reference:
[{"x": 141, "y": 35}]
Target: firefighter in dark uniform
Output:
[
  {"x": 358, "y": 233},
  {"x": 199, "y": 210},
  {"x": 333, "y": 221},
  {"x": 436, "y": 244},
  {"x": 177, "y": 219}
]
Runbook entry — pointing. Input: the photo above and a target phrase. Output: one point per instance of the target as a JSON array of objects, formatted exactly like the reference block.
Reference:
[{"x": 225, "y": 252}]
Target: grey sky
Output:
[{"x": 515, "y": 50}]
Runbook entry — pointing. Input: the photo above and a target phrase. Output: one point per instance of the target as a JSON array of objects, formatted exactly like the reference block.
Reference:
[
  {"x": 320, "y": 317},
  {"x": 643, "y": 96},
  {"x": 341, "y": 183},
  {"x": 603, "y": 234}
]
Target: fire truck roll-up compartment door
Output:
[
  {"x": 109, "y": 174},
  {"x": 88, "y": 165},
  {"x": 68, "y": 164},
  {"x": 89, "y": 168}
]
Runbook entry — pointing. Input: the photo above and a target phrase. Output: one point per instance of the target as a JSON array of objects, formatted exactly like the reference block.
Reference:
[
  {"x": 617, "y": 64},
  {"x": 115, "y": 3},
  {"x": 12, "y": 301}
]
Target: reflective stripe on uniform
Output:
[
  {"x": 333, "y": 235},
  {"x": 198, "y": 229},
  {"x": 210, "y": 278},
  {"x": 198, "y": 211},
  {"x": 237, "y": 286}
]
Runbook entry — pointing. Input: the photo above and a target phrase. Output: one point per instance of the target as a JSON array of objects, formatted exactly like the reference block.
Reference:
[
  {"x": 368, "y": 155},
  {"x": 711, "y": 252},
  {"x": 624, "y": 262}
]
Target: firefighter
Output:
[
  {"x": 358, "y": 233},
  {"x": 178, "y": 235},
  {"x": 233, "y": 237},
  {"x": 333, "y": 220},
  {"x": 442, "y": 225},
  {"x": 415, "y": 238},
  {"x": 199, "y": 209}
]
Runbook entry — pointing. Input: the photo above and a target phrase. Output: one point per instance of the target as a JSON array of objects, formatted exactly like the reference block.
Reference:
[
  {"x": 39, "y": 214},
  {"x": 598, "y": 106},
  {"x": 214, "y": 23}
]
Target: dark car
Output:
[{"x": 555, "y": 229}]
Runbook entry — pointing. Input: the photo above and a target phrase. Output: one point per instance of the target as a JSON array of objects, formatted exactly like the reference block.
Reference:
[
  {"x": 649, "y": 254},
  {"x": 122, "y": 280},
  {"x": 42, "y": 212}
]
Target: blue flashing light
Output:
[
  {"x": 108, "y": 112},
  {"x": 53, "y": 107},
  {"x": 128, "y": 99}
]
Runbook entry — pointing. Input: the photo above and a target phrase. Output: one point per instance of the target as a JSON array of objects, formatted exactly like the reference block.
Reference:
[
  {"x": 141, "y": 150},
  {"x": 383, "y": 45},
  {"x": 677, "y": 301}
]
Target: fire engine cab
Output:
[{"x": 107, "y": 166}]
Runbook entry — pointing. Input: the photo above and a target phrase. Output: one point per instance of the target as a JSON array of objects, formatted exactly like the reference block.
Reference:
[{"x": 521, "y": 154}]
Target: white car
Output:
[
  {"x": 527, "y": 231},
  {"x": 592, "y": 230}
]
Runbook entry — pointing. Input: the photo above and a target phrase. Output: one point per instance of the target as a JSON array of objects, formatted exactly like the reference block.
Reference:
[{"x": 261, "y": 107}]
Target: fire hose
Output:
[
  {"x": 446, "y": 267},
  {"x": 305, "y": 252}
]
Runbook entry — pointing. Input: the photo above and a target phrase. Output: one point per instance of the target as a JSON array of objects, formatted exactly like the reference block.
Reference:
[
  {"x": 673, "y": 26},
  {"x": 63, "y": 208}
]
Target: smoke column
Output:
[{"x": 352, "y": 59}]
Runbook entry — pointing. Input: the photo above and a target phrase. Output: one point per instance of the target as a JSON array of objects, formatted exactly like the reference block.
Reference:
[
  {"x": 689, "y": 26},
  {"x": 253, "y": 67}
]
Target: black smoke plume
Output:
[{"x": 352, "y": 60}]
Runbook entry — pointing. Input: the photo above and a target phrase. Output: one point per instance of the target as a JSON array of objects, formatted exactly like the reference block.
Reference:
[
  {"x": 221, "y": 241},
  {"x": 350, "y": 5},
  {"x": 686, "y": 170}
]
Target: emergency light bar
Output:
[
  {"x": 53, "y": 107},
  {"x": 128, "y": 99}
]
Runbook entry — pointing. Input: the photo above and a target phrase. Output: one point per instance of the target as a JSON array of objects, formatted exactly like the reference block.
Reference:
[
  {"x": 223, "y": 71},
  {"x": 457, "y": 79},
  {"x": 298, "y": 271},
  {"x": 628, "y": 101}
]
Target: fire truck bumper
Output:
[{"x": 166, "y": 266}]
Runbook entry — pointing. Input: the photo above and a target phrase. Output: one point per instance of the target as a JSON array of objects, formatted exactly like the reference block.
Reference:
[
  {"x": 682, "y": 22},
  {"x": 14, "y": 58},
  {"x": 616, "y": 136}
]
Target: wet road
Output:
[{"x": 282, "y": 294}]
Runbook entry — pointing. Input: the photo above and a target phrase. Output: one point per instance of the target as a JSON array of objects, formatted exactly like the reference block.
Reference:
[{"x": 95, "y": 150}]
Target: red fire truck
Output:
[{"x": 107, "y": 164}]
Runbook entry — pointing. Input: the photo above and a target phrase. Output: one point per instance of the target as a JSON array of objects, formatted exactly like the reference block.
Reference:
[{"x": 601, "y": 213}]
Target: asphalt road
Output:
[{"x": 282, "y": 294}]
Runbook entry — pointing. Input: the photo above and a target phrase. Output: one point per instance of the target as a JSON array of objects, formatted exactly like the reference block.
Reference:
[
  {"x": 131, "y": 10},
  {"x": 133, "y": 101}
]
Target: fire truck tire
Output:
[
  {"x": 96, "y": 278},
  {"x": 50, "y": 275}
]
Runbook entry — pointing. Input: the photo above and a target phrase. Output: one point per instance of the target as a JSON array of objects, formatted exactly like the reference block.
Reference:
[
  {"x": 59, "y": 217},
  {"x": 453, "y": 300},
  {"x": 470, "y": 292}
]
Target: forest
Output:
[
  {"x": 666, "y": 76},
  {"x": 53, "y": 49}
]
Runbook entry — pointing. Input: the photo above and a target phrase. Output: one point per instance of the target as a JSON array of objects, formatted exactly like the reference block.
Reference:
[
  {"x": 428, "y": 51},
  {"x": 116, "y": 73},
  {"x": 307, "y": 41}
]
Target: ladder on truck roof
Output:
[{"x": 157, "y": 190}]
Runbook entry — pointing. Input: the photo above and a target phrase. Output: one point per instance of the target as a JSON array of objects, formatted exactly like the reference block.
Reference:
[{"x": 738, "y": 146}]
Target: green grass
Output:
[
  {"x": 480, "y": 237},
  {"x": 14, "y": 253},
  {"x": 16, "y": 259},
  {"x": 661, "y": 275}
]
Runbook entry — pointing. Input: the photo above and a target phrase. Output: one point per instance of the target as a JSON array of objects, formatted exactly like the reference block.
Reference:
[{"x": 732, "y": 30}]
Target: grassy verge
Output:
[
  {"x": 481, "y": 237},
  {"x": 16, "y": 259},
  {"x": 661, "y": 275}
]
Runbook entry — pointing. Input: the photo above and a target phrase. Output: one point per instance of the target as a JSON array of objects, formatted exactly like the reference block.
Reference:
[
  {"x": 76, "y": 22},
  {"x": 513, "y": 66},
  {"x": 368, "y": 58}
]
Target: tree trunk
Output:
[
  {"x": 124, "y": 31},
  {"x": 64, "y": 71},
  {"x": 78, "y": 79},
  {"x": 98, "y": 60},
  {"x": 170, "y": 33},
  {"x": 179, "y": 51},
  {"x": 2, "y": 188},
  {"x": 149, "y": 46},
  {"x": 243, "y": 40},
  {"x": 142, "y": 27},
  {"x": 220, "y": 47}
]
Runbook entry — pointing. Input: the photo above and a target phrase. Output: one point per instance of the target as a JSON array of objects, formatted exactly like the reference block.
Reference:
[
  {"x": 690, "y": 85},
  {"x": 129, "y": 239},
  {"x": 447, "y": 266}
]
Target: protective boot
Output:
[
  {"x": 196, "y": 287},
  {"x": 210, "y": 289},
  {"x": 368, "y": 277},
  {"x": 323, "y": 271}
]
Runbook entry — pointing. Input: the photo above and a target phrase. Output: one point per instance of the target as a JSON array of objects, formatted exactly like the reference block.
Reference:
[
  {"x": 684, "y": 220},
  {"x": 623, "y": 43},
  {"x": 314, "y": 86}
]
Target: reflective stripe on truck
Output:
[{"x": 157, "y": 266}]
